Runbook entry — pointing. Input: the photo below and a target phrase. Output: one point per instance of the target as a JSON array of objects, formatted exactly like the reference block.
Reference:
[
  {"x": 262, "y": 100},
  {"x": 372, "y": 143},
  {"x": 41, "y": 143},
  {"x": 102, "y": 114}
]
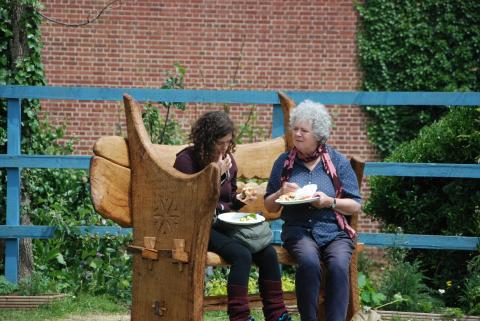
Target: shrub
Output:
[
  {"x": 7, "y": 287},
  {"x": 435, "y": 206},
  {"x": 470, "y": 296},
  {"x": 36, "y": 284},
  {"x": 369, "y": 295},
  {"x": 405, "y": 278}
]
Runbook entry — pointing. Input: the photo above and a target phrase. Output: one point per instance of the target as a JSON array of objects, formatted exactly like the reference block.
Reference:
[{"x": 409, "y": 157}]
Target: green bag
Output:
[{"x": 255, "y": 237}]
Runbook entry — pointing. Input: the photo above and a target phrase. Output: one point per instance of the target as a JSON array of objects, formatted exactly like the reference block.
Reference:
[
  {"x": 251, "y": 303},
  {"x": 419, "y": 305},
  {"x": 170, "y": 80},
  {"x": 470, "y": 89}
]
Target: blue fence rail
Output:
[{"x": 14, "y": 161}]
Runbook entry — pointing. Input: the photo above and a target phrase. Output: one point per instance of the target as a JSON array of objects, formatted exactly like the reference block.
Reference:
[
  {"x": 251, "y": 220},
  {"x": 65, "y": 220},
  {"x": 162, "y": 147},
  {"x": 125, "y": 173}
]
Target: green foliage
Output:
[
  {"x": 369, "y": 295},
  {"x": 248, "y": 132},
  {"x": 216, "y": 281},
  {"x": 406, "y": 279},
  {"x": 163, "y": 130},
  {"x": 416, "y": 46},
  {"x": 257, "y": 315},
  {"x": 36, "y": 284},
  {"x": 435, "y": 206},
  {"x": 55, "y": 197},
  {"x": 452, "y": 313},
  {"x": 24, "y": 69},
  {"x": 288, "y": 282},
  {"x": 7, "y": 287},
  {"x": 470, "y": 296}
]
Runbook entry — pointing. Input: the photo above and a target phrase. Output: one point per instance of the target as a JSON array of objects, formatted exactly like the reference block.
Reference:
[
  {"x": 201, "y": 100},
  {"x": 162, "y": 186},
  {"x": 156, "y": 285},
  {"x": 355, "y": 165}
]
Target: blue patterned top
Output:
[{"x": 320, "y": 224}]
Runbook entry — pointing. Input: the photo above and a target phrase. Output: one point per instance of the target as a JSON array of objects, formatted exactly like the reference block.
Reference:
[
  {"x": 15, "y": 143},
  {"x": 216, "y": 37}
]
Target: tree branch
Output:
[{"x": 81, "y": 23}]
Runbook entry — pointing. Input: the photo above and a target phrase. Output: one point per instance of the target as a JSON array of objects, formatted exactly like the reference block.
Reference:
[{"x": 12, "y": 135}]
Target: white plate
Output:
[
  {"x": 234, "y": 218},
  {"x": 294, "y": 202}
]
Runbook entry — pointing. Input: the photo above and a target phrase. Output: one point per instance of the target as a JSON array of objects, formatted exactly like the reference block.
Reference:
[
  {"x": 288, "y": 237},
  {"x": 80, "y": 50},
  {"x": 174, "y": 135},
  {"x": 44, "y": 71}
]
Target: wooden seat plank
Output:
[{"x": 133, "y": 182}]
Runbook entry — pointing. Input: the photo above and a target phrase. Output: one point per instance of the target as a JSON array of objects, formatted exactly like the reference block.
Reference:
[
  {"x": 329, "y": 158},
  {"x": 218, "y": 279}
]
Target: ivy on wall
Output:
[
  {"x": 56, "y": 197},
  {"x": 426, "y": 45},
  {"x": 410, "y": 45}
]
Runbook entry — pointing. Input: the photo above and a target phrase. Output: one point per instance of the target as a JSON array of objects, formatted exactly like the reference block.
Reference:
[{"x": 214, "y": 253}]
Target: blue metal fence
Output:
[{"x": 14, "y": 161}]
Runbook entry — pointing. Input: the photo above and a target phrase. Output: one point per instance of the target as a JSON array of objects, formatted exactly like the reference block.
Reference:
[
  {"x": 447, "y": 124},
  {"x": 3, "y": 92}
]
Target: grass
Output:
[
  {"x": 80, "y": 305},
  {"x": 222, "y": 316},
  {"x": 89, "y": 305}
]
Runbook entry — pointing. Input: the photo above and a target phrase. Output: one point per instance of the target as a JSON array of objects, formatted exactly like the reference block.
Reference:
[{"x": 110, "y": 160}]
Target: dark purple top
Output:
[{"x": 186, "y": 163}]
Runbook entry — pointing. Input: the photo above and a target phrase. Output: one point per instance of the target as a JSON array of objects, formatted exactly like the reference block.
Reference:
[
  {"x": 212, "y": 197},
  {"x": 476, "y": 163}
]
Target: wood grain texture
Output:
[
  {"x": 168, "y": 205},
  {"x": 354, "y": 303},
  {"x": 173, "y": 209},
  {"x": 287, "y": 104},
  {"x": 114, "y": 149},
  {"x": 110, "y": 190},
  {"x": 256, "y": 159},
  {"x": 213, "y": 259},
  {"x": 219, "y": 303}
]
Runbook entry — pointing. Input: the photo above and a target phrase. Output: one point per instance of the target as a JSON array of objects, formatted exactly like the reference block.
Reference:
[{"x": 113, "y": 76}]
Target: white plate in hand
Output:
[
  {"x": 306, "y": 191},
  {"x": 294, "y": 201},
  {"x": 301, "y": 196},
  {"x": 234, "y": 218}
]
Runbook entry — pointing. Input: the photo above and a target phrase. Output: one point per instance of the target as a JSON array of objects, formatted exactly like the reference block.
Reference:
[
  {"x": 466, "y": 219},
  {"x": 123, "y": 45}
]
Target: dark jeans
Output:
[
  {"x": 336, "y": 256},
  {"x": 241, "y": 259}
]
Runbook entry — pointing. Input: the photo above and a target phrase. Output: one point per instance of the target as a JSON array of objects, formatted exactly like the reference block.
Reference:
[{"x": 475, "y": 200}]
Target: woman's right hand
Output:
[
  {"x": 288, "y": 187},
  {"x": 270, "y": 203},
  {"x": 224, "y": 164}
]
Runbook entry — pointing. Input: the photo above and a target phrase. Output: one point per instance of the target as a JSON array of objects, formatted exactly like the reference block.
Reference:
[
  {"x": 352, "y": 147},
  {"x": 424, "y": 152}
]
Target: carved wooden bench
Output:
[{"x": 133, "y": 183}]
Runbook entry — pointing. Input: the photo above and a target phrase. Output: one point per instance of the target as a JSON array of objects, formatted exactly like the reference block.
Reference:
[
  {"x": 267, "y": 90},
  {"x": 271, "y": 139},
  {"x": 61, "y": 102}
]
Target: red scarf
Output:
[{"x": 329, "y": 169}]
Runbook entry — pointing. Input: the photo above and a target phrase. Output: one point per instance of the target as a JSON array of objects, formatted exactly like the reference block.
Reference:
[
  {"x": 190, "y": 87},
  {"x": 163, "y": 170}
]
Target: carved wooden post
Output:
[{"x": 172, "y": 214}]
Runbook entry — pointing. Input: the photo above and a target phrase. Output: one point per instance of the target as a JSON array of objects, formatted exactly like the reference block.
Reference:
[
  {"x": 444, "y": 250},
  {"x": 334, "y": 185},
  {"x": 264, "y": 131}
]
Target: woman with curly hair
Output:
[{"x": 213, "y": 140}]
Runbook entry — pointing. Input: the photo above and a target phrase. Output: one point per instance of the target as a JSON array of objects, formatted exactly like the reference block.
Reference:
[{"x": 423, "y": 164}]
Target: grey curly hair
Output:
[{"x": 315, "y": 113}]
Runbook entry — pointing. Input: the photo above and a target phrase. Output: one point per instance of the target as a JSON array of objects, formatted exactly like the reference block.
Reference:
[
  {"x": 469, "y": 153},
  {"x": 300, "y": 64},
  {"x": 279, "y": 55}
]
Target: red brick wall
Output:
[{"x": 274, "y": 45}]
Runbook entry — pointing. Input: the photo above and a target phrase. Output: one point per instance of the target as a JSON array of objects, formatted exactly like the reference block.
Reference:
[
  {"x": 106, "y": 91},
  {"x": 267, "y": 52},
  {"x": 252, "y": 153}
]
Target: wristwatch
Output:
[{"x": 334, "y": 204}]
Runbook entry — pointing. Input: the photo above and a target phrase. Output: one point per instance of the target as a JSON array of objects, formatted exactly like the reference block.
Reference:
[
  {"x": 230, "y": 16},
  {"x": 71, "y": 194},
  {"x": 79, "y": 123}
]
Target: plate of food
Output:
[
  {"x": 239, "y": 218},
  {"x": 248, "y": 192},
  {"x": 300, "y": 196}
]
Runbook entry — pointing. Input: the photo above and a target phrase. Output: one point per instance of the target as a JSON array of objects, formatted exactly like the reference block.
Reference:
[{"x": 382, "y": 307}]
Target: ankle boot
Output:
[
  {"x": 272, "y": 299},
  {"x": 238, "y": 309}
]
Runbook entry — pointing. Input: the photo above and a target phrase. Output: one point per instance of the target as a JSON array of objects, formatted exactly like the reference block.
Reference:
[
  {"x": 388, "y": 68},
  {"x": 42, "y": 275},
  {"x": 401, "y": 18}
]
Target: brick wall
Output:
[{"x": 274, "y": 45}]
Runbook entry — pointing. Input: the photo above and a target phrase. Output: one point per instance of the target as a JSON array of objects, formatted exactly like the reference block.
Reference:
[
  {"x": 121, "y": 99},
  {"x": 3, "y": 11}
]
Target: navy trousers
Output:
[{"x": 336, "y": 255}]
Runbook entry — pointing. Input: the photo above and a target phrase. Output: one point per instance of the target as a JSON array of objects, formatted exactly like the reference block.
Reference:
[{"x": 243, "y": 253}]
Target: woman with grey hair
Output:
[{"x": 317, "y": 229}]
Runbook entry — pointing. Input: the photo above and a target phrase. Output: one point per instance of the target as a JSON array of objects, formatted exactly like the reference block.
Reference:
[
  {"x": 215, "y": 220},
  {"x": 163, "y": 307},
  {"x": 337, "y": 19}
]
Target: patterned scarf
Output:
[{"x": 329, "y": 169}]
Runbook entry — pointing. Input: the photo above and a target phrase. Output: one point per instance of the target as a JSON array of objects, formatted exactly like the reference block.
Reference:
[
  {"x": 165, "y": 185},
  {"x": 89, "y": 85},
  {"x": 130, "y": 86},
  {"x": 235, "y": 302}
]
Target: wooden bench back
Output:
[{"x": 133, "y": 182}]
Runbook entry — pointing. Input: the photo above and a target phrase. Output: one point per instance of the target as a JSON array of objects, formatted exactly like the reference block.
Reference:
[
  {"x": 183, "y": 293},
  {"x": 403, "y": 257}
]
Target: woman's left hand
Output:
[{"x": 324, "y": 201}]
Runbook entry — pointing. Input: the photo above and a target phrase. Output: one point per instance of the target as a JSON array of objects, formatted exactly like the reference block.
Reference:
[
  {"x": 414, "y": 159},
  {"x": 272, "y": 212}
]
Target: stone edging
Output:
[
  {"x": 27, "y": 301},
  {"x": 388, "y": 315}
]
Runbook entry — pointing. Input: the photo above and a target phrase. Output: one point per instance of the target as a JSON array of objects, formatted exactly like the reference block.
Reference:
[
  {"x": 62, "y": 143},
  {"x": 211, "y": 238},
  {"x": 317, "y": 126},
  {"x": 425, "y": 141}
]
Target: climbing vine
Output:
[
  {"x": 425, "y": 46},
  {"x": 416, "y": 46},
  {"x": 69, "y": 262}
]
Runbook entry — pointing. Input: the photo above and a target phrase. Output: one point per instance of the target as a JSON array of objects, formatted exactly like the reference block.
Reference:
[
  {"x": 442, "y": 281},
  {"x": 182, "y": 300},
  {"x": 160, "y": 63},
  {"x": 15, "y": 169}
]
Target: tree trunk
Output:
[
  {"x": 19, "y": 50},
  {"x": 18, "y": 44},
  {"x": 26, "y": 253}
]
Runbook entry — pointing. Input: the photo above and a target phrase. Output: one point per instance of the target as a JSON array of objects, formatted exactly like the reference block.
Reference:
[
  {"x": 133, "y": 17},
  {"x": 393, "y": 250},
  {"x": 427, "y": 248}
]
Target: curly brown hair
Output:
[{"x": 210, "y": 127}]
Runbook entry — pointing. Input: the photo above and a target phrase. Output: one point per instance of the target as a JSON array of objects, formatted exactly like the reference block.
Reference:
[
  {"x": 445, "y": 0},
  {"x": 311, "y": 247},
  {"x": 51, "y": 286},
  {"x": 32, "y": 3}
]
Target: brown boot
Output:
[
  {"x": 238, "y": 309},
  {"x": 272, "y": 299}
]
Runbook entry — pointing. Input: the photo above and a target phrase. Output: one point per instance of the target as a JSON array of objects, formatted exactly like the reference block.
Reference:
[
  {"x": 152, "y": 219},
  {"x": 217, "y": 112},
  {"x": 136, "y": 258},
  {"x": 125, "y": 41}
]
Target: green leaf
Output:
[{"x": 60, "y": 259}]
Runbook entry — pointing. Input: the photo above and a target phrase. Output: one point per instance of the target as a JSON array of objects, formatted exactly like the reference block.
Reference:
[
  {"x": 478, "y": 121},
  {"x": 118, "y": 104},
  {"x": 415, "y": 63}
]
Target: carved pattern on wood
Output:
[{"x": 166, "y": 216}]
